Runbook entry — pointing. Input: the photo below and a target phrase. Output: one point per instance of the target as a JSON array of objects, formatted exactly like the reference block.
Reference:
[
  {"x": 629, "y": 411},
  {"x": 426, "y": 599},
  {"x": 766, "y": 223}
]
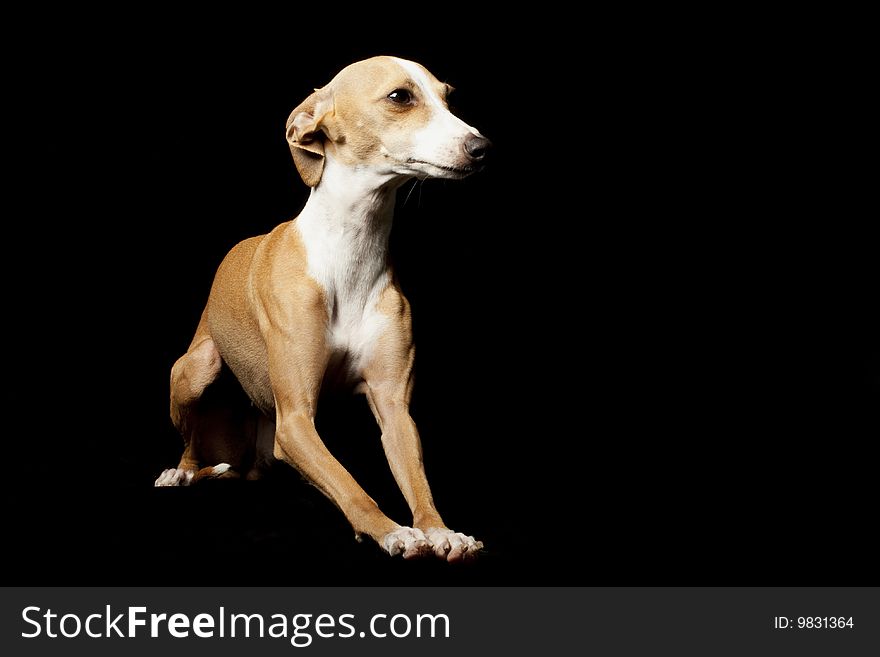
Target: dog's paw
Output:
[
  {"x": 409, "y": 542},
  {"x": 175, "y": 477},
  {"x": 453, "y": 546}
]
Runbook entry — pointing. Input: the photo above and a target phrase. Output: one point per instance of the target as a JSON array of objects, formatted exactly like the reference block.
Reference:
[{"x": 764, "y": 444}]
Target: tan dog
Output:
[{"x": 315, "y": 301}]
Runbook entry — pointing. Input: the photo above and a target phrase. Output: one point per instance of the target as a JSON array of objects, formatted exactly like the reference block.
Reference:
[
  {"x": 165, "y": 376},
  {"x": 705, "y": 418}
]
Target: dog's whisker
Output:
[{"x": 415, "y": 182}]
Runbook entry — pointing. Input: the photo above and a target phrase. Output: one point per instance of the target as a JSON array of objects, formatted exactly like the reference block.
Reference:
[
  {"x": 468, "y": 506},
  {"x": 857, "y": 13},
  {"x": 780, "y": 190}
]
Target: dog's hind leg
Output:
[{"x": 210, "y": 412}]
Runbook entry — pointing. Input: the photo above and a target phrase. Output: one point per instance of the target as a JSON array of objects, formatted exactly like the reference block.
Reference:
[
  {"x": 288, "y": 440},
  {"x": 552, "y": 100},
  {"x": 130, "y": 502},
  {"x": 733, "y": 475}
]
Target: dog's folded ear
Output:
[{"x": 307, "y": 133}]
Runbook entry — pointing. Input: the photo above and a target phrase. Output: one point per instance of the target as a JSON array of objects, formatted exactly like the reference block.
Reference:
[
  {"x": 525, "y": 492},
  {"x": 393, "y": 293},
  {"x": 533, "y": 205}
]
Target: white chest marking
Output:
[{"x": 346, "y": 247}]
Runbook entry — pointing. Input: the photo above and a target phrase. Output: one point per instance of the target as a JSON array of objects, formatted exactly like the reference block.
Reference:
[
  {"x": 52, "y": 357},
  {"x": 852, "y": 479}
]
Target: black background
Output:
[{"x": 644, "y": 332}]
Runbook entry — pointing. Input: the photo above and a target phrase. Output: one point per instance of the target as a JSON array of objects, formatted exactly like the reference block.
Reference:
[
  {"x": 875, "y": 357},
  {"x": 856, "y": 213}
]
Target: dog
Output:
[{"x": 315, "y": 300}]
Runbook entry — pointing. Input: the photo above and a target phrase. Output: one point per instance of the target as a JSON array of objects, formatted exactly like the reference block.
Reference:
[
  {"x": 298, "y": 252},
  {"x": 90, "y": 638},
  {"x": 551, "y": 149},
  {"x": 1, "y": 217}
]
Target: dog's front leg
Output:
[
  {"x": 388, "y": 385},
  {"x": 403, "y": 448},
  {"x": 296, "y": 379}
]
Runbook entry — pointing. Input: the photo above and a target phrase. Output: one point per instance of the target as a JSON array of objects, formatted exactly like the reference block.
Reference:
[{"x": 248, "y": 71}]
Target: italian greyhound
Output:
[{"x": 315, "y": 300}]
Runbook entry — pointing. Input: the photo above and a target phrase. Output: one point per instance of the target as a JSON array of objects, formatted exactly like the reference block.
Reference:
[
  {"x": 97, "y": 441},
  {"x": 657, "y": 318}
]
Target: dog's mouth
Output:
[{"x": 460, "y": 172}]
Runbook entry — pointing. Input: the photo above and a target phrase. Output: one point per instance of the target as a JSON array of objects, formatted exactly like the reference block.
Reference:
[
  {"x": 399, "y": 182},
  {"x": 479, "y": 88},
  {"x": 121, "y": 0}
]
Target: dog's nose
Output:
[{"x": 476, "y": 146}]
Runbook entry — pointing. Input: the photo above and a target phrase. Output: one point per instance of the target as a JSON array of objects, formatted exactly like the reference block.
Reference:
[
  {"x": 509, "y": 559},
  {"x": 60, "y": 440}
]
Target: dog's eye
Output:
[{"x": 400, "y": 97}]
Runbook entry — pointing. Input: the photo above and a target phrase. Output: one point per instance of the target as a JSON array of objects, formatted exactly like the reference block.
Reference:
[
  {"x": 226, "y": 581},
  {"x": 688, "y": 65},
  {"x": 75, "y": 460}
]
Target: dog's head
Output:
[{"x": 389, "y": 115}]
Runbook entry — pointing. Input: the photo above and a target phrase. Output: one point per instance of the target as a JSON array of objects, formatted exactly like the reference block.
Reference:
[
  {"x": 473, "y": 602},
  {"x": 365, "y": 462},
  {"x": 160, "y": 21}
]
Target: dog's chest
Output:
[
  {"x": 351, "y": 278},
  {"x": 354, "y": 328}
]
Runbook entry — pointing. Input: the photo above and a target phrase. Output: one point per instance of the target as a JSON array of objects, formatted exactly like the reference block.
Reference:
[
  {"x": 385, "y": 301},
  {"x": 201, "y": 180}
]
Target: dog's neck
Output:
[{"x": 345, "y": 227}]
